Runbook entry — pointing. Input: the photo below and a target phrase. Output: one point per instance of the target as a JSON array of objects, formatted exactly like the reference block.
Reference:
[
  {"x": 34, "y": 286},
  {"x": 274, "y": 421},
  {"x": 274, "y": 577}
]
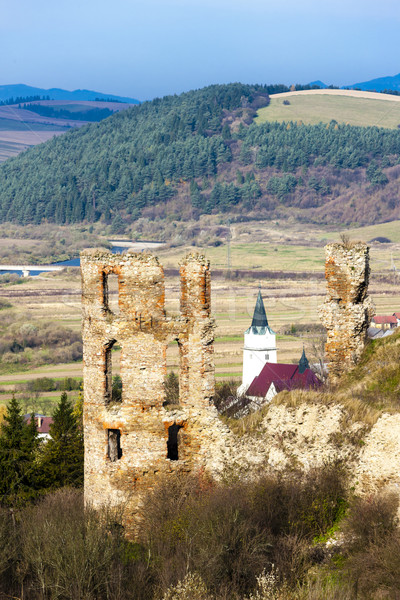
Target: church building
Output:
[{"x": 263, "y": 377}]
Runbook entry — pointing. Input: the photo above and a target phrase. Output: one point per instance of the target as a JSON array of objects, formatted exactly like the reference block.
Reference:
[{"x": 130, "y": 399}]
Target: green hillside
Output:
[
  {"x": 312, "y": 109},
  {"x": 202, "y": 152}
]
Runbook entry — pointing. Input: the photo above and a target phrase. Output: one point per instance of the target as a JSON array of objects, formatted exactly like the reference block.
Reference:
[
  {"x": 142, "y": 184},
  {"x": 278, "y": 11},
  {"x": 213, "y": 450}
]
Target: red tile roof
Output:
[
  {"x": 43, "y": 423},
  {"x": 397, "y": 315},
  {"x": 284, "y": 377},
  {"x": 384, "y": 319}
]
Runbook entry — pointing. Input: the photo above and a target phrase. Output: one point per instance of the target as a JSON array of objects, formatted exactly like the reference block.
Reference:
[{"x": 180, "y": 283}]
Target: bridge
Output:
[{"x": 27, "y": 269}]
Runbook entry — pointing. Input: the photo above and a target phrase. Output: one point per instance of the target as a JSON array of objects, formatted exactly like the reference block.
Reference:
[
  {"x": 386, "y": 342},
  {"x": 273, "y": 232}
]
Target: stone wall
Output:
[
  {"x": 347, "y": 310},
  {"x": 132, "y": 442}
]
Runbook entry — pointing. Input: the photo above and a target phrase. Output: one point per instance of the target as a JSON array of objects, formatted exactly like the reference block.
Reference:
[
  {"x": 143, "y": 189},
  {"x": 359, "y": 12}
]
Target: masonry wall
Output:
[
  {"x": 347, "y": 310},
  {"x": 128, "y": 443}
]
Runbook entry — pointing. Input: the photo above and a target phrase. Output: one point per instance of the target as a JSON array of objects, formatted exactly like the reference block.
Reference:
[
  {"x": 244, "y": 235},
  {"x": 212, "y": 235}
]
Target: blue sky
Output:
[{"x": 157, "y": 47}]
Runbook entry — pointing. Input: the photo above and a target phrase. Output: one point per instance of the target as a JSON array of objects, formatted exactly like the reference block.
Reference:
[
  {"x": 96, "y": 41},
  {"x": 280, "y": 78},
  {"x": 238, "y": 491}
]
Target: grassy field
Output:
[
  {"x": 259, "y": 256},
  {"x": 317, "y": 108},
  {"x": 389, "y": 230}
]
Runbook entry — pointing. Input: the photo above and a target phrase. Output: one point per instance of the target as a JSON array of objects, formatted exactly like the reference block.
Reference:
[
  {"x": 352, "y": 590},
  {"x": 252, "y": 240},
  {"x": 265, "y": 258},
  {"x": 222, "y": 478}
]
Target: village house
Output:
[
  {"x": 43, "y": 425},
  {"x": 385, "y": 322}
]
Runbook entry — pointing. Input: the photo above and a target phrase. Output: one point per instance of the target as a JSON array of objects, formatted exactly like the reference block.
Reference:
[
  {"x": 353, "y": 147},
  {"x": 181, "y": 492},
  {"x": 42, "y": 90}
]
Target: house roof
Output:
[
  {"x": 384, "y": 319},
  {"x": 373, "y": 332},
  {"x": 259, "y": 324},
  {"x": 284, "y": 377},
  {"x": 44, "y": 421},
  {"x": 397, "y": 315}
]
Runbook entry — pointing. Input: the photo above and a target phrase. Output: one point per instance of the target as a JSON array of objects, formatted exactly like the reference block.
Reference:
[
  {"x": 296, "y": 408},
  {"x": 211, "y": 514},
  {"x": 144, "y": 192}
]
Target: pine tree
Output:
[
  {"x": 63, "y": 455},
  {"x": 18, "y": 468}
]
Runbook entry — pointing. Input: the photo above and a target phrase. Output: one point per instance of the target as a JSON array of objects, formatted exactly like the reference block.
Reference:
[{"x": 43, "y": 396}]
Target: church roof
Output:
[
  {"x": 303, "y": 362},
  {"x": 284, "y": 377},
  {"x": 259, "y": 324}
]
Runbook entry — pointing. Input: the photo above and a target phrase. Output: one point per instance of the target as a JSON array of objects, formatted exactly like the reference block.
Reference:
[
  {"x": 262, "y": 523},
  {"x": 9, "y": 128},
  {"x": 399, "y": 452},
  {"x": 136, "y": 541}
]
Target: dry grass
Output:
[
  {"x": 345, "y": 106},
  {"x": 248, "y": 424}
]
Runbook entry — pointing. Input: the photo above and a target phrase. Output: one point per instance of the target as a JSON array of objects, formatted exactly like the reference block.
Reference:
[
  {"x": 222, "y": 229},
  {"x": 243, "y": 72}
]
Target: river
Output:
[{"x": 117, "y": 247}]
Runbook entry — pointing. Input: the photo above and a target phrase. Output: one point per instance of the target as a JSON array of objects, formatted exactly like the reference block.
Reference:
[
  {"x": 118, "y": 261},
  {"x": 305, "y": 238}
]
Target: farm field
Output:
[
  {"x": 344, "y": 106},
  {"x": 13, "y": 142},
  {"x": 21, "y": 128},
  {"x": 291, "y": 303}
]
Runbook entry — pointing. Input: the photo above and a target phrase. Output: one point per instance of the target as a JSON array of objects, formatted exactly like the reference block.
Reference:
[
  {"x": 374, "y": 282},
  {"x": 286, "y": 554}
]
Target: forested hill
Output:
[{"x": 202, "y": 153}]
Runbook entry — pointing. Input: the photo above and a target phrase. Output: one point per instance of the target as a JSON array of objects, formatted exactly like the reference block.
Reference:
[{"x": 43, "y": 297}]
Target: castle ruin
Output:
[
  {"x": 134, "y": 439},
  {"x": 347, "y": 310}
]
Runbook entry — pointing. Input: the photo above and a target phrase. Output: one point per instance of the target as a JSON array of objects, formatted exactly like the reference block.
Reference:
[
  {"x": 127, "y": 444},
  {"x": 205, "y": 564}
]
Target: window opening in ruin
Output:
[
  {"x": 173, "y": 442},
  {"x": 111, "y": 292},
  {"x": 171, "y": 382},
  {"x": 114, "y": 450},
  {"x": 113, "y": 383}
]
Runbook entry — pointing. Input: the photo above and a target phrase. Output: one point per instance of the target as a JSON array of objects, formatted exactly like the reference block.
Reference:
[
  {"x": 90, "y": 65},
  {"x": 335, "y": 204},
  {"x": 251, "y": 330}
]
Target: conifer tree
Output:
[
  {"x": 18, "y": 468},
  {"x": 63, "y": 454}
]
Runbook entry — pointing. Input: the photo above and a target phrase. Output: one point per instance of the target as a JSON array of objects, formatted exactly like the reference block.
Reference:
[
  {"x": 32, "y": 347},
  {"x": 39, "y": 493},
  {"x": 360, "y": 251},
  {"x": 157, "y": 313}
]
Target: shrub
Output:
[
  {"x": 372, "y": 550},
  {"x": 249, "y": 526},
  {"x": 191, "y": 588},
  {"x": 68, "y": 552},
  {"x": 371, "y": 520}
]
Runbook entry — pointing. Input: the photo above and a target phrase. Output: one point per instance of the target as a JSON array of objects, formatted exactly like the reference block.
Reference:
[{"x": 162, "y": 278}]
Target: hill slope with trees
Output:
[{"x": 201, "y": 152}]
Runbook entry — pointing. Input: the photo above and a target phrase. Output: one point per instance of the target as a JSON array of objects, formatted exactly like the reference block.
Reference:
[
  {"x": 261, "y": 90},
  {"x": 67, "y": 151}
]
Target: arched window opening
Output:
[
  {"x": 113, "y": 382},
  {"x": 114, "y": 449},
  {"x": 111, "y": 292},
  {"x": 173, "y": 442}
]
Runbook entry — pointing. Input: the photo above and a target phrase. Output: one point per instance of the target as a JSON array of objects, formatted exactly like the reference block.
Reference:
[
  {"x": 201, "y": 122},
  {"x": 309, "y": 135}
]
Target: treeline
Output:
[
  {"x": 22, "y": 99},
  {"x": 141, "y": 157},
  {"x": 92, "y": 114},
  {"x": 24, "y": 342}
]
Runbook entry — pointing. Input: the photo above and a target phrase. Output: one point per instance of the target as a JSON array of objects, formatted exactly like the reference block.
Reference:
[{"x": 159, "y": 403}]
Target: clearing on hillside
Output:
[{"x": 344, "y": 106}]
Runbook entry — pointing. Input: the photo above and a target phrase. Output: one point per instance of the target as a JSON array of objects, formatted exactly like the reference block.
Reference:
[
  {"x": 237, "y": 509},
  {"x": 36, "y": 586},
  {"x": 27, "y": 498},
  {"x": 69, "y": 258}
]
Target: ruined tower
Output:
[
  {"x": 347, "y": 310},
  {"x": 133, "y": 438}
]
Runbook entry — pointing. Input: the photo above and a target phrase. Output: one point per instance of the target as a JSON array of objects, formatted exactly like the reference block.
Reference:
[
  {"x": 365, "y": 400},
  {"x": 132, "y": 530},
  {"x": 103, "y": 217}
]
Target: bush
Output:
[
  {"x": 372, "y": 549},
  {"x": 199, "y": 541},
  {"x": 249, "y": 527},
  {"x": 23, "y": 342},
  {"x": 371, "y": 520},
  {"x": 68, "y": 552}
]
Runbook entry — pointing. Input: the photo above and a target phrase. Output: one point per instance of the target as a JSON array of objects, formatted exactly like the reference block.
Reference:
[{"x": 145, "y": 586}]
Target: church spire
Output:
[
  {"x": 259, "y": 316},
  {"x": 303, "y": 362},
  {"x": 259, "y": 324}
]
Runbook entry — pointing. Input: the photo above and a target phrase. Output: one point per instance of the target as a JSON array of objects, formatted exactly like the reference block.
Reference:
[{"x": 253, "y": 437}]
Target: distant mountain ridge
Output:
[
  {"x": 319, "y": 83},
  {"x": 22, "y": 90},
  {"x": 379, "y": 84}
]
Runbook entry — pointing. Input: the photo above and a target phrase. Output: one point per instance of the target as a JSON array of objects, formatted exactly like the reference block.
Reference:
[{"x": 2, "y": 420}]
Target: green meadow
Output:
[{"x": 312, "y": 109}]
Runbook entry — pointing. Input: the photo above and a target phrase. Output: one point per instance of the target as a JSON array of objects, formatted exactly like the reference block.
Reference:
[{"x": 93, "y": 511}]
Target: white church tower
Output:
[{"x": 259, "y": 345}]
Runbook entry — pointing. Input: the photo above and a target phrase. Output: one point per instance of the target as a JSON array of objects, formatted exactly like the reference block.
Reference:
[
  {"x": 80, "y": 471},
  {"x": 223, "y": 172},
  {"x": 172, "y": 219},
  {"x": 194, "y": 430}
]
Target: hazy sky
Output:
[{"x": 156, "y": 47}]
